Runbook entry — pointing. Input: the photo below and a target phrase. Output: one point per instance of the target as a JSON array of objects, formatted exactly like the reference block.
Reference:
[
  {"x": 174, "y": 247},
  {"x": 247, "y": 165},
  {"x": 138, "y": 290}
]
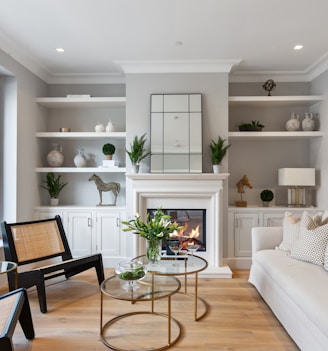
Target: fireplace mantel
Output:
[{"x": 204, "y": 190}]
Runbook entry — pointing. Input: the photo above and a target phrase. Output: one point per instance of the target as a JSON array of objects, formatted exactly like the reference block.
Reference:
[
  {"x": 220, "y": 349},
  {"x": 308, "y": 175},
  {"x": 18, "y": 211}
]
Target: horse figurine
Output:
[
  {"x": 244, "y": 181},
  {"x": 101, "y": 186}
]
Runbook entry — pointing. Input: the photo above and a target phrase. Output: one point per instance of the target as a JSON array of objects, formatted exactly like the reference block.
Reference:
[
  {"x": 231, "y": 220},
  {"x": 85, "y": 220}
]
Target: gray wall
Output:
[{"x": 20, "y": 150}]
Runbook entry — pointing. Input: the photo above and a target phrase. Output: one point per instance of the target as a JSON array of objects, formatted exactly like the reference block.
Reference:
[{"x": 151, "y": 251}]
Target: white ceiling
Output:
[{"x": 256, "y": 36}]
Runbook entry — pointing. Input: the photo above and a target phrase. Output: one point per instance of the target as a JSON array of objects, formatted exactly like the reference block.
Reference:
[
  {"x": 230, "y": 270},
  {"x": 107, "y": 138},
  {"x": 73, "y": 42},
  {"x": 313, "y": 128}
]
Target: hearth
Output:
[{"x": 194, "y": 222}]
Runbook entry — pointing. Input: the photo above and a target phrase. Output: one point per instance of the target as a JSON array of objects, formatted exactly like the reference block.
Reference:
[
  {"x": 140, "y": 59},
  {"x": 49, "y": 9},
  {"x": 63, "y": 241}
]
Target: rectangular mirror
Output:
[{"x": 176, "y": 133}]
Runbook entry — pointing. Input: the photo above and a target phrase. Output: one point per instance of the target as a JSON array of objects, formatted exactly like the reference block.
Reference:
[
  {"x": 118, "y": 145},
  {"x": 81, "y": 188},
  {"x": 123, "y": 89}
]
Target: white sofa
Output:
[{"x": 296, "y": 291}]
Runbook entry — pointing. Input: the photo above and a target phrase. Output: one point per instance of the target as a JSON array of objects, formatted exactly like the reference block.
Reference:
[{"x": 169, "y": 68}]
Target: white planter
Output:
[
  {"x": 54, "y": 201},
  {"x": 216, "y": 169},
  {"x": 135, "y": 168}
]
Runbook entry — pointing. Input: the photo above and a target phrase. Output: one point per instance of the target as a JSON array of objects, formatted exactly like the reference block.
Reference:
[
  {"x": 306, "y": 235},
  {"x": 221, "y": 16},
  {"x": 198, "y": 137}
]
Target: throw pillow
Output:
[
  {"x": 325, "y": 260},
  {"x": 291, "y": 230},
  {"x": 312, "y": 241}
]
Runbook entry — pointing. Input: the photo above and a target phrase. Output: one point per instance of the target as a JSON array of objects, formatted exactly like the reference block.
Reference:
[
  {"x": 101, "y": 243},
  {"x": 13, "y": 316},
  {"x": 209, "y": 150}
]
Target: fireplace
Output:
[
  {"x": 194, "y": 222},
  {"x": 182, "y": 191}
]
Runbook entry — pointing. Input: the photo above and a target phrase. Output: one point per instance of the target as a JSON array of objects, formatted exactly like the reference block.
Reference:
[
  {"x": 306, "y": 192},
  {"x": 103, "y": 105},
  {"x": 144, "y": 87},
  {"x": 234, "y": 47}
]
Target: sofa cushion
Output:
[
  {"x": 312, "y": 241},
  {"x": 291, "y": 230},
  {"x": 306, "y": 284}
]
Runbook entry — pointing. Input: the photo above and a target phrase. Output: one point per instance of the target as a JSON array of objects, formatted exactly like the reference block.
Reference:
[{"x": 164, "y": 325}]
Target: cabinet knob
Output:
[{"x": 89, "y": 222}]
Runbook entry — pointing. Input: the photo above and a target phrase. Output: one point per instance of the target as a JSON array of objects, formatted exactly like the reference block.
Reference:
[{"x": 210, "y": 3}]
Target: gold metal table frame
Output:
[
  {"x": 151, "y": 288},
  {"x": 189, "y": 264}
]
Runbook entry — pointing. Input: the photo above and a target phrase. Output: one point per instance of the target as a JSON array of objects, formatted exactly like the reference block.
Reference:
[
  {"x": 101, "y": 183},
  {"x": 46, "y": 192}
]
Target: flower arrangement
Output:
[
  {"x": 155, "y": 229},
  {"x": 159, "y": 227}
]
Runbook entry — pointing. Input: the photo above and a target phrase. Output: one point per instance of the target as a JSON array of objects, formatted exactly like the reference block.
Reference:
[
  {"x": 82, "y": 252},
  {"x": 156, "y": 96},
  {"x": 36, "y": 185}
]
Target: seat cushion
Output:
[{"x": 305, "y": 283}]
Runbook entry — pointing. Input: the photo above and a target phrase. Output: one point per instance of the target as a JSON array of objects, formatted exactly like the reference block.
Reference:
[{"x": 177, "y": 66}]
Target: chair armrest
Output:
[{"x": 264, "y": 238}]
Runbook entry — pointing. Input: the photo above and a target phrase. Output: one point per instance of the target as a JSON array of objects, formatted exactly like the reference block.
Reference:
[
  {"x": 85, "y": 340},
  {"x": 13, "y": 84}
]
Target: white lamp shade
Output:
[{"x": 296, "y": 176}]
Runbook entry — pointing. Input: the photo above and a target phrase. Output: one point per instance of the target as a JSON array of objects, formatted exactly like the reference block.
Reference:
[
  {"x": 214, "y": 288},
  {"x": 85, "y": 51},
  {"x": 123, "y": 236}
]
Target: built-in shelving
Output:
[
  {"x": 81, "y": 169},
  {"x": 273, "y": 135},
  {"x": 81, "y": 135},
  {"x": 274, "y": 100},
  {"x": 57, "y": 102}
]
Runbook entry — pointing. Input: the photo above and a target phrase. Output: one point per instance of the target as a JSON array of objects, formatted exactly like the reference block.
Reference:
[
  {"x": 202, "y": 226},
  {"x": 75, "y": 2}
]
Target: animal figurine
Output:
[
  {"x": 101, "y": 186},
  {"x": 244, "y": 181}
]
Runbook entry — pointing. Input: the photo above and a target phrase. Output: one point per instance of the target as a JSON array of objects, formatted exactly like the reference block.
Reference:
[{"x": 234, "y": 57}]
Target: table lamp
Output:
[{"x": 296, "y": 179}]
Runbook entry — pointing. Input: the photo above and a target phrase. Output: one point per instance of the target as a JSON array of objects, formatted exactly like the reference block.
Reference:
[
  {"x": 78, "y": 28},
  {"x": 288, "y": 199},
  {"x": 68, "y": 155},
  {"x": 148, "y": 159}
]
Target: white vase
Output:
[
  {"x": 308, "y": 123},
  {"x": 216, "y": 169},
  {"x": 110, "y": 127},
  {"x": 99, "y": 127},
  {"x": 79, "y": 159},
  {"x": 293, "y": 124},
  {"x": 55, "y": 157}
]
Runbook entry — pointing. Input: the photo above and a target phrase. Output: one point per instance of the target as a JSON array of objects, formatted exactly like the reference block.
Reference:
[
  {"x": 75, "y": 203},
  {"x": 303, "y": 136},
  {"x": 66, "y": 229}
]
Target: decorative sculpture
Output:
[
  {"x": 268, "y": 86},
  {"x": 244, "y": 181},
  {"x": 101, "y": 186}
]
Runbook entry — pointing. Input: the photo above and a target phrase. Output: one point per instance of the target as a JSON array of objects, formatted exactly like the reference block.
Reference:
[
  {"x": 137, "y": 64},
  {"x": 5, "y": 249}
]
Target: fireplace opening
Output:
[{"x": 194, "y": 222}]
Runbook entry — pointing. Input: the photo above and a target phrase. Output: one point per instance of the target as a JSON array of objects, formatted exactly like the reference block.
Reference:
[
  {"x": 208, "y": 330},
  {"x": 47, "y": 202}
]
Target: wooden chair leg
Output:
[{"x": 25, "y": 319}]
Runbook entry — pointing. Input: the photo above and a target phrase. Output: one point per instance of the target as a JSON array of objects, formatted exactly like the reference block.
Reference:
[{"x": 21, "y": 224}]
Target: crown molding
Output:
[{"x": 178, "y": 66}]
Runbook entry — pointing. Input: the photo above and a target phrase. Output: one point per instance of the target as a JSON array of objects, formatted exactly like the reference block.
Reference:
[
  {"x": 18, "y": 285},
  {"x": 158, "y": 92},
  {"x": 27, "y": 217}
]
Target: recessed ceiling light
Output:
[
  {"x": 178, "y": 43},
  {"x": 60, "y": 50},
  {"x": 298, "y": 47}
]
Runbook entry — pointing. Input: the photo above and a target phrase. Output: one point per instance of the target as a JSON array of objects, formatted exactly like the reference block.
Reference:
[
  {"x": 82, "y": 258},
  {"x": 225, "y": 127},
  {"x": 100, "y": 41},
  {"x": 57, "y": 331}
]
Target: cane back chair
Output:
[{"x": 36, "y": 241}]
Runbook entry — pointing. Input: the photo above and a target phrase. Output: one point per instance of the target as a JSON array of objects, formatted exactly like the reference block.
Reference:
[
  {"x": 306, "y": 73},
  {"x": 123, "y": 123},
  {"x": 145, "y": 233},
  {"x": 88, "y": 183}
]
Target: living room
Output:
[{"x": 136, "y": 77}]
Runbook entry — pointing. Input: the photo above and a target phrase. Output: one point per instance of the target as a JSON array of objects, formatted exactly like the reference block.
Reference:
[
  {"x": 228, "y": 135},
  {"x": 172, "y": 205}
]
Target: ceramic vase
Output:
[
  {"x": 308, "y": 123},
  {"x": 293, "y": 124},
  {"x": 79, "y": 159},
  {"x": 110, "y": 127},
  {"x": 99, "y": 127},
  {"x": 55, "y": 157}
]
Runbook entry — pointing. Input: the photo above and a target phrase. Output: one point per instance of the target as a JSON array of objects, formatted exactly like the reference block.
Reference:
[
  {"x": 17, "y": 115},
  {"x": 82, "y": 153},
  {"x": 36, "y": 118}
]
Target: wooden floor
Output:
[{"x": 238, "y": 319}]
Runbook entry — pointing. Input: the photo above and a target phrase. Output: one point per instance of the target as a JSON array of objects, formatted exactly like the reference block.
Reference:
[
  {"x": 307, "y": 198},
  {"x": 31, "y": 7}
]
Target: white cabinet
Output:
[
  {"x": 243, "y": 224},
  {"x": 91, "y": 230},
  {"x": 240, "y": 224}
]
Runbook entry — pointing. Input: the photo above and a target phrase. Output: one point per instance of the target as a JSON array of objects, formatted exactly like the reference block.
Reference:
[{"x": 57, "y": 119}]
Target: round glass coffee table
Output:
[
  {"x": 140, "y": 325},
  {"x": 8, "y": 267},
  {"x": 185, "y": 264}
]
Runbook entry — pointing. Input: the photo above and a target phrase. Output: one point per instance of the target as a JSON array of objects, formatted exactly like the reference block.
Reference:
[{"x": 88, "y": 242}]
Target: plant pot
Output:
[
  {"x": 216, "y": 169},
  {"x": 54, "y": 201},
  {"x": 266, "y": 203},
  {"x": 135, "y": 168},
  {"x": 109, "y": 157}
]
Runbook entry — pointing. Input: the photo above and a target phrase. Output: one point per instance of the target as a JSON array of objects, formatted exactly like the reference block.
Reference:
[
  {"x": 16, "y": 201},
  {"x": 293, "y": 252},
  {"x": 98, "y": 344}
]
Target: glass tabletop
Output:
[
  {"x": 169, "y": 266},
  {"x": 151, "y": 287},
  {"x": 7, "y": 266}
]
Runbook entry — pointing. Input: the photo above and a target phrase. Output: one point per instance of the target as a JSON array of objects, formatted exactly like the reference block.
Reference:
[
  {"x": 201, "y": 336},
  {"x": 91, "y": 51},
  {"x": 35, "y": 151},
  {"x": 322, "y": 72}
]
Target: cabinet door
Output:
[
  {"x": 273, "y": 219},
  {"x": 80, "y": 233},
  {"x": 244, "y": 222},
  {"x": 108, "y": 233}
]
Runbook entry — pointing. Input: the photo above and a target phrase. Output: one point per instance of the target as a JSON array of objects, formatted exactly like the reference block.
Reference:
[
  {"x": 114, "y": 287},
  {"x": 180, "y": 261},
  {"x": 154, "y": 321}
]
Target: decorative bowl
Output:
[{"x": 131, "y": 270}]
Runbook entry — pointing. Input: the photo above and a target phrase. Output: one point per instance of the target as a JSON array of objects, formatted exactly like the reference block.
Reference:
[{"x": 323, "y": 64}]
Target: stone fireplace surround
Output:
[{"x": 183, "y": 191}]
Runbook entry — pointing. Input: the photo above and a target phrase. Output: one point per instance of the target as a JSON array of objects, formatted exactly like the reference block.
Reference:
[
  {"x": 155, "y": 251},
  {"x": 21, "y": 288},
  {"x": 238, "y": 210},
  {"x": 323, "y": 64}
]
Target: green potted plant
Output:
[
  {"x": 108, "y": 150},
  {"x": 137, "y": 151},
  {"x": 254, "y": 126},
  {"x": 218, "y": 151},
  {"x": 54, "y": 185},
  {"x": 266, "y": 197}
]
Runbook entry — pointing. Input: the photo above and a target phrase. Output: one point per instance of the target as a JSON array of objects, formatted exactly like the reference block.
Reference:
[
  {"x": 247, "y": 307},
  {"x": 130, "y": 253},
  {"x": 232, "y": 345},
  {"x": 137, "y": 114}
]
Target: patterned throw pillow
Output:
[
  {"x": 312, "y": 242},
  {"x": 291, "y": 231},
  {"x": 325, "y": 260}
]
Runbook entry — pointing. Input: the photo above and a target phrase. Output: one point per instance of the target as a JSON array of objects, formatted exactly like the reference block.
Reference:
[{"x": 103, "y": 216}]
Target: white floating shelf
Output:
[
  {"x": 274, "y": 100},
  {"x": 56, "y": 102},
  {"x": 81, "y": 169},
  {"x": 81, "y": 135},
  {"x": 273, "y": 135}
]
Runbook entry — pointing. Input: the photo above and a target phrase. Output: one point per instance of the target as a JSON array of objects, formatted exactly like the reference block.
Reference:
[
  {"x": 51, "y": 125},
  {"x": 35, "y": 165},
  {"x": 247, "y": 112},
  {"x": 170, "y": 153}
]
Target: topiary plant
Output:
[
  {"x": 108, "y": 150},
  {"x": 266, "y": 196}
]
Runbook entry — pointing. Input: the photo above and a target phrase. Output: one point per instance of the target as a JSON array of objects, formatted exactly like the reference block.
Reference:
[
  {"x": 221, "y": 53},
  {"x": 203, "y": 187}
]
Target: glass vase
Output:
[{"x": 153, "y": 250}]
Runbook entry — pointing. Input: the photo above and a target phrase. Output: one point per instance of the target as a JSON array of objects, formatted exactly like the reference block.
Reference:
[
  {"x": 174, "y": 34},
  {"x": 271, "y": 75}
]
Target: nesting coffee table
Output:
[
  {"x": 185, "y": 265},
  {"x": 151, "y": 288}
]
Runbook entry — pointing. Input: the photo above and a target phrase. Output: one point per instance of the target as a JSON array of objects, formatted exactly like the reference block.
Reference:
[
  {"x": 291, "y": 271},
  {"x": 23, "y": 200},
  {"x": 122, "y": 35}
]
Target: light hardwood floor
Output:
[{"x": 238, "y": 319}]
